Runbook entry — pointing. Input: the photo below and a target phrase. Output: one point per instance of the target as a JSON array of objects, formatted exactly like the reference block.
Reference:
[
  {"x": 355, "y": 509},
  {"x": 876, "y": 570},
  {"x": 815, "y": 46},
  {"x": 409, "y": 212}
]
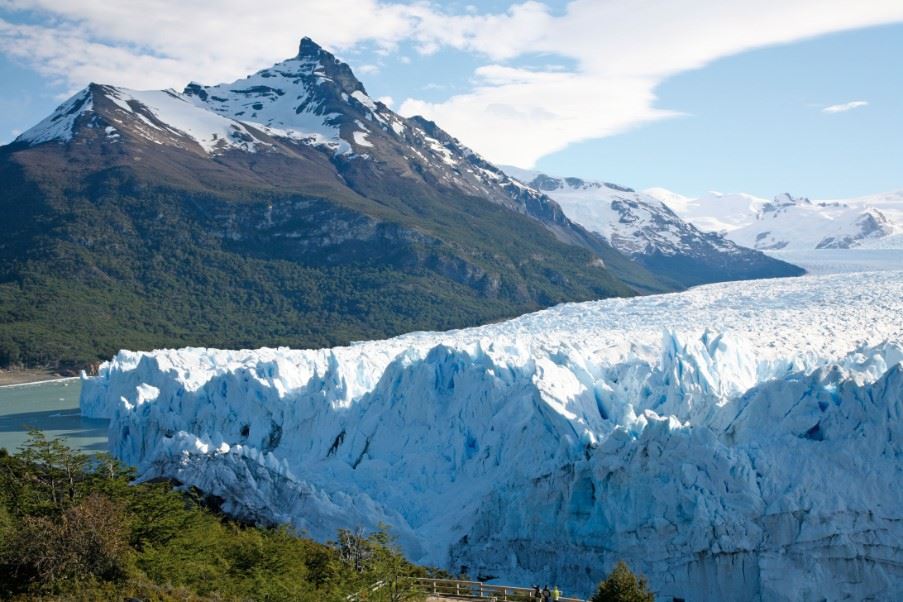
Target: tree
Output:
[
  {"x": 9, "y": 351},
  {"x": 622, "y": 585},
  {"x": 354, "y": 549},
  {"x": 89, "y": 540},
  {"x": 383, "y": 574},
  {"x": 53, "y": 474}
]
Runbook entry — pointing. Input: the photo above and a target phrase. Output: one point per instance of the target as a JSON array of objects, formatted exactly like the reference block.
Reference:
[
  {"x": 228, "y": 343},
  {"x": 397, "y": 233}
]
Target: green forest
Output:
[
  {"x": 73, "y": 527},
  {"x": 87, "y": 273}
]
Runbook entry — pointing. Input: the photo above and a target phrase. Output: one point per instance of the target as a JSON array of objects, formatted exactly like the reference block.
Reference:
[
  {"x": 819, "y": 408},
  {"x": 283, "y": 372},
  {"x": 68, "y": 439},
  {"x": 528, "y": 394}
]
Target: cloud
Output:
[
  {"x": 617, "y": 51},
  {"x": 367, "y": 69},
  {"x": 847, "y": 106},
  {"x": 149, "y": 44},
  {"x": 514, "y": 116},
  {"x": 622, "y": 51},
  {"x": 66, "y": 55},
  {"x": 387, "y": 100}
]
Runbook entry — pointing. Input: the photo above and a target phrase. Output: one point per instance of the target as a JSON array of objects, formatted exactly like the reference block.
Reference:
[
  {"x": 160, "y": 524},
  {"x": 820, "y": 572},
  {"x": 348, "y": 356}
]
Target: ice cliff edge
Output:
[{"x": 739, "y": 441}]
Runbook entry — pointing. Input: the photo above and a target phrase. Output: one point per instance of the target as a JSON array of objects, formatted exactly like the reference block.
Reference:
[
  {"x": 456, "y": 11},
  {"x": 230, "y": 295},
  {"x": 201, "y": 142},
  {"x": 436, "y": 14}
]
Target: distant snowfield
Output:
[
  {"x": 794, "y": 223},
  {"x": 738, "y": 441},
  {"x": 839, "y": 261}
]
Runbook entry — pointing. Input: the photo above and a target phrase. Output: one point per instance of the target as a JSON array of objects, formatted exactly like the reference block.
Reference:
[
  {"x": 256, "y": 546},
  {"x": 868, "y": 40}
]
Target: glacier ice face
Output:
[{"x": 737, "y": 441}]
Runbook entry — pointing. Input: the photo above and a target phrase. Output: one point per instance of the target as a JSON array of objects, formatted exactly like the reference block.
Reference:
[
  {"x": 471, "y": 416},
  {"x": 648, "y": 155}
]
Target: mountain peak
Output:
[
  {"x": 311, "y": 52},
  {"x": 309, "y": 48},
  {"x": 60, "y": 124},
  {"x": 785, "y": 198}
]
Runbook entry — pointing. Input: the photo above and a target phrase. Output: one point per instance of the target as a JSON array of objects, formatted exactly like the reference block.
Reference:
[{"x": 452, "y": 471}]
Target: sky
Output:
[{"x": 763, "y": 96}]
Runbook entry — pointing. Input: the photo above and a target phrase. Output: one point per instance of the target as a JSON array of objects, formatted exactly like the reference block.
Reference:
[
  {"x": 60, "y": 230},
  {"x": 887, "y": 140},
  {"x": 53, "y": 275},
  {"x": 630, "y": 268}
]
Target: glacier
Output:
[{"x": 737, "y": 441}]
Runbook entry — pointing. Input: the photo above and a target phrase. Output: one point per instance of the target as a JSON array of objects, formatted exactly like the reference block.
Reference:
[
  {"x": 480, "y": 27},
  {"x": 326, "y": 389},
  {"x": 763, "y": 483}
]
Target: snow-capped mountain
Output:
[
  {"x": 311, "y": 100},
  {"x": 645, "y": 229},
  {"x": 289, "y": 191},
  {"x": 738, "y": 441},
  {"x": 794, "y": 223},
  {"x": 714, "y": 212}
]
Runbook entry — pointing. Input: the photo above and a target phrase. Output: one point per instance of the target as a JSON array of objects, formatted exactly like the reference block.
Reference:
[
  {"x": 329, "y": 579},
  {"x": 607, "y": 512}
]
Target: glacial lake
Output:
[{"x": 53, "y": 408}]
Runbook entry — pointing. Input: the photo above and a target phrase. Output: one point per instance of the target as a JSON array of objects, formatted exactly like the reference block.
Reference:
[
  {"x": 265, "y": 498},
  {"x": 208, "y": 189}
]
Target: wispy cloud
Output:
[
  {"x": 846, "y": 106},
  {"x": 367, "y": 69},
  {"x": 621, "y": 51}
]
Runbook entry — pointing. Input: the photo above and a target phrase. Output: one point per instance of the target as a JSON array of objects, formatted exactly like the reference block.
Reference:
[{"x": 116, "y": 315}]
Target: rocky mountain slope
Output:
[
  {"x": 649, "y": 232},
  {"x": 738, "y": 441},
  {"x": 285, "y": 208},
  {"x": 794, "y": 223}
]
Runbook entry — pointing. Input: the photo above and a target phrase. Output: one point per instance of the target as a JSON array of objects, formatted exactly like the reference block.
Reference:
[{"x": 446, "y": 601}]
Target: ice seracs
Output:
[{"x": 738, "y": 441}]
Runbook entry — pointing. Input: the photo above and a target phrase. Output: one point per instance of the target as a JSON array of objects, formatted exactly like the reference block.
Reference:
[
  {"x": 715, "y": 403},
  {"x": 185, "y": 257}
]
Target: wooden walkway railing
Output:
[
  {"x": 373, "y": 588},
  {"x": 456, "y": 588}
]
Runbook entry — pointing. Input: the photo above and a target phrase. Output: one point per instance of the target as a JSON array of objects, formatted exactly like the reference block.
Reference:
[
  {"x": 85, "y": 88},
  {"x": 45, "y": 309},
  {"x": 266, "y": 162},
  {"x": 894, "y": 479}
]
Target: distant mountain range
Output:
[
  {"x": 645, "y": 229},
  {"x": 286, "y": 208},
  {"x": 794, "y": 223}
]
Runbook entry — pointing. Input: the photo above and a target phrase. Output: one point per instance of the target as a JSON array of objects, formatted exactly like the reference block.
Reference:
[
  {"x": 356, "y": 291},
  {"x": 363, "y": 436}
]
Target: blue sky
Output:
[
  {"x": 684, "y": 94},
  {"x": 754, "y": 123}
]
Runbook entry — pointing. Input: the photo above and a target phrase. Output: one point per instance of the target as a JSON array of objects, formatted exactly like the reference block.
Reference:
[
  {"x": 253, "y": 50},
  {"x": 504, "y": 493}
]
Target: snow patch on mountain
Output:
[
  {"x": 360, "y": 138},
  {"x": 648, "y": 231},
  {"x": 737, "y": 441},
  {"x": 282, "y": 100},
  {"x": 714, "y": 211},
  {"x": 168, "y": 111},
  {"x": 794, "y": 223},
  {"x": 633, "y": 222},
  {"x": 161, "y": 116},
  {"x": 59, "y": 124}
]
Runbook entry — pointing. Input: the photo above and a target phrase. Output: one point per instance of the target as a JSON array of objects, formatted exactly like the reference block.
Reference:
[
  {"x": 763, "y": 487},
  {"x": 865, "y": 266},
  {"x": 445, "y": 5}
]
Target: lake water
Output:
[{"x": 53, "y": 408}]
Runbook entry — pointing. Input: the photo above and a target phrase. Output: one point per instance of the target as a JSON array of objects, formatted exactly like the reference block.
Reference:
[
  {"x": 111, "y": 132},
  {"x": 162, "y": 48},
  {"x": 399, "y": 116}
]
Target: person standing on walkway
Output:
[
  {"x": 546, "y": 594},
  {"x": 556, "y": 594}
]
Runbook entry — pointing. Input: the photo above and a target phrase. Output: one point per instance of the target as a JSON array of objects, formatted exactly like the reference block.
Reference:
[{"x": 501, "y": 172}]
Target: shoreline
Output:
[{"x": 23, "y": 378}]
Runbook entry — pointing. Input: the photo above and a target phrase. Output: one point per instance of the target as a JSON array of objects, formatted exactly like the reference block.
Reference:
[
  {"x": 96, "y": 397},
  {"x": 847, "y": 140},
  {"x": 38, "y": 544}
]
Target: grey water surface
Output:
[{"x": 53, "y": 408}]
